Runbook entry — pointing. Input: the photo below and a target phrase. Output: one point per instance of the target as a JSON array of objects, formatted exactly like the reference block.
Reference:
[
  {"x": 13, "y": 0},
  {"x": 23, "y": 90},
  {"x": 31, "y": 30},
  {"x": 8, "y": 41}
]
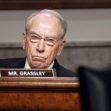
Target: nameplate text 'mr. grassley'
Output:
[{"x": 26, "y": 73}]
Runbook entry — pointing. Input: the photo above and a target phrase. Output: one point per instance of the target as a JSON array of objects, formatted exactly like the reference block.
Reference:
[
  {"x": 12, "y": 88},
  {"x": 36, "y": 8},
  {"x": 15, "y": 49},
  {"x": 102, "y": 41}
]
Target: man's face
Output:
[{"x": 42, "y": 42}]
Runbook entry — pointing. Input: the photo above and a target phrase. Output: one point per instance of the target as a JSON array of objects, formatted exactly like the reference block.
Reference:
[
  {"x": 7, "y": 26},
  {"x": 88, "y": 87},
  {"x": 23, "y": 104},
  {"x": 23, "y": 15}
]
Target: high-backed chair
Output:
[{"x": 95, "y": 89}]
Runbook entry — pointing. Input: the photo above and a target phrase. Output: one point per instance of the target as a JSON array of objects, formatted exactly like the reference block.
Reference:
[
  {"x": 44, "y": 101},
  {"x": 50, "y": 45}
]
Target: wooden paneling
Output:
[
  {"x": 39, "y": 94},
  {"x": 56, "y": 4},
  {"x": 30, "y": 83}
]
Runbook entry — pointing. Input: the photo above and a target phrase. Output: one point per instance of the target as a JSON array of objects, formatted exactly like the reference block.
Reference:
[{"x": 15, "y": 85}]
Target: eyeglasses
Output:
[{"x": 51, "y": 41}]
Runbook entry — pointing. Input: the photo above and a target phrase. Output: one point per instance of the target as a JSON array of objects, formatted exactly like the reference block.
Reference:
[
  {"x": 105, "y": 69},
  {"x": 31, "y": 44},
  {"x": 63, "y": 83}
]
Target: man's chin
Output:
[{"x": 38, "y": 66}]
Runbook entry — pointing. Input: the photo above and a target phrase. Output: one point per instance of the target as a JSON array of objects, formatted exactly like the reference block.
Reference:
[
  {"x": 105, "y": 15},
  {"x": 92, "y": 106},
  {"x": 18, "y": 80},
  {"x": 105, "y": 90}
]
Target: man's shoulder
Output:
[
  {"x": 67, "y": 73},
  {"x": 11, "y": 62},
  {"x": 11, "y": 59},
  {"x": 63, "y": 72}
]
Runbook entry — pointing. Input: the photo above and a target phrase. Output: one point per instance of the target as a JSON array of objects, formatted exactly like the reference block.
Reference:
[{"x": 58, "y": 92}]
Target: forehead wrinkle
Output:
[{"x": 49, "y": 19}]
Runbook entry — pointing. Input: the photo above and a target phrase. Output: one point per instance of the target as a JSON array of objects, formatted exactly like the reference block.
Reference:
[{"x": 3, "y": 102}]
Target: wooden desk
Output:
[{"x": 39, "y": 94}]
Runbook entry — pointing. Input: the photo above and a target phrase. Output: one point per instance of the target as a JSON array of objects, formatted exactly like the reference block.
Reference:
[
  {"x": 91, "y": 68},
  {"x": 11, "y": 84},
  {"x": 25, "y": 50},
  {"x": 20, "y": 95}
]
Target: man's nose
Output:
[{"x": 41, "y": 45}]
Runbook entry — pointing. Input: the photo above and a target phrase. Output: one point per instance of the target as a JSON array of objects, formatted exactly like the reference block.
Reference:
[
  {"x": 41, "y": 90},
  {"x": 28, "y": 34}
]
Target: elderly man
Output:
[{"x": 42, "y": 41}]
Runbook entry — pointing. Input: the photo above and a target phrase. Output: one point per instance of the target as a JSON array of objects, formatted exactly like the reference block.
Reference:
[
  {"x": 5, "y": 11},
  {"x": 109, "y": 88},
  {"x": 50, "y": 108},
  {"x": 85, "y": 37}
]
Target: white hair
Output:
[{"x": 52, "y": 13}]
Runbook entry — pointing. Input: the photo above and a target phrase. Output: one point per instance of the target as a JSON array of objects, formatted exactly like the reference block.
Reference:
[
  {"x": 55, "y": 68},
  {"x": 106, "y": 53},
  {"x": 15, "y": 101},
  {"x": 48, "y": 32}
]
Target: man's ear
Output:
[
  {"x": 61, "y": 47},
  {"x": 23, "y": 40}
]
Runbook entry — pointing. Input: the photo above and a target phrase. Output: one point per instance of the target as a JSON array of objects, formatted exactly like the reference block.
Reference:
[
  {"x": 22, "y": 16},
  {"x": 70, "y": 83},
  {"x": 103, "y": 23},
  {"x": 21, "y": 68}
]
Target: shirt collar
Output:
[{"x": 27, "y": 66}]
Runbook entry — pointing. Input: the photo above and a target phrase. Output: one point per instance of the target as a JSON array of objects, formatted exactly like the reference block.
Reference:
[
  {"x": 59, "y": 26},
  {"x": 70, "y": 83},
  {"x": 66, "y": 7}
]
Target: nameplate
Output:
[{"x": 27, "y": 73}]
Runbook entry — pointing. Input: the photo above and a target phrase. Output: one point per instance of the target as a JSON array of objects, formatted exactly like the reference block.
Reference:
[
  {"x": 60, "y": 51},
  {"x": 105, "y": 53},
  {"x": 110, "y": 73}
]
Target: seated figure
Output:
[{"x": 42, "y": 41}]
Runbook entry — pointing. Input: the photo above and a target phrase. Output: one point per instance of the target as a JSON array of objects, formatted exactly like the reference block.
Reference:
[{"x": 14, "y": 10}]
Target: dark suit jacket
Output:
[{"x": 20, "y": 62}]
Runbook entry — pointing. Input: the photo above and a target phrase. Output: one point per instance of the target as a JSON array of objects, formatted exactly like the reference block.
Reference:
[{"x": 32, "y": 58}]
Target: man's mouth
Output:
[{"x": 38, "y": 58}]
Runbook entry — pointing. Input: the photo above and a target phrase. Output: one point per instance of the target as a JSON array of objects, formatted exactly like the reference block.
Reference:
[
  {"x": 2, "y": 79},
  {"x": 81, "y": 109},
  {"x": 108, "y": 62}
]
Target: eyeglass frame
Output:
[{"x": 38, "y": 38}]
